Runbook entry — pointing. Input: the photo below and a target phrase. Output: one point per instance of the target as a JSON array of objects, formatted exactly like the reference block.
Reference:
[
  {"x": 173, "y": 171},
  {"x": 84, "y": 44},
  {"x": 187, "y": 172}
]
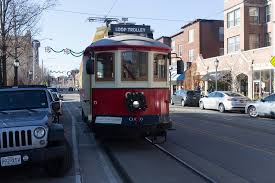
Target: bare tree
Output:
[{"x": 17, "y": 17}]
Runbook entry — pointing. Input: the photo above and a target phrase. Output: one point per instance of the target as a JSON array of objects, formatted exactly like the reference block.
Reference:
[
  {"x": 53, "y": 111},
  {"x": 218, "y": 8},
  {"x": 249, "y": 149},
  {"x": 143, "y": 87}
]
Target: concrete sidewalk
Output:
[{"x": 91, "y": 163}]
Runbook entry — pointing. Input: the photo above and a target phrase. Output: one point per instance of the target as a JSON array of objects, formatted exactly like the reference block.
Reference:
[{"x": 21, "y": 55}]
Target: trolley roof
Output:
[{"x": 128, "y": 42}]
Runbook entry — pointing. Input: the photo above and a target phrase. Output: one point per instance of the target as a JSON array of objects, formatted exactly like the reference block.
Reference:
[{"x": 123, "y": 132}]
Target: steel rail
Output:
[{"x": 184, "y": 163}]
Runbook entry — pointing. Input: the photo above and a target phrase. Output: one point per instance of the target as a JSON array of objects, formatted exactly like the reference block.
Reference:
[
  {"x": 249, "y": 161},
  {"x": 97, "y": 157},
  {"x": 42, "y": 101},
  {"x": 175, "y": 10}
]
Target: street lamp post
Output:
[
  {"x": 16, "y": 65},
  {"x": 216, "y": 62},
  {"x": 170, "y": 80},
  {"x": 252, "y": 76}
]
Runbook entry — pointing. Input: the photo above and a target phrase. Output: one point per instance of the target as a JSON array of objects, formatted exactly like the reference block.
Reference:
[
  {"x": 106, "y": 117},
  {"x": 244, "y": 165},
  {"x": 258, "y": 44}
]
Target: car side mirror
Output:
[
  {"x": 90, "y": 65},
  {"x": 262, "y": 100},
  {"x": 55, "y": 106},
  {"x": 56, "y": 99}
]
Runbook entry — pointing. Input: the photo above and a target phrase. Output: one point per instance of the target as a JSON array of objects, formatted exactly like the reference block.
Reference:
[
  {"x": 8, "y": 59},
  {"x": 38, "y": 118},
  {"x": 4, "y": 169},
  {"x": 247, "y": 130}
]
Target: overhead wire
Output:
[{"x": 113, "y": 5}]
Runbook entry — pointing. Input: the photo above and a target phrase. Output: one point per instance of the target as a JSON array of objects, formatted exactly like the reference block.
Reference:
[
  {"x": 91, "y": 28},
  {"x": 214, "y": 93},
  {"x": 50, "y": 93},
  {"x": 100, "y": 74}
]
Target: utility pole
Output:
[
  {"x": 42, "y": 72},
  {"x": 15, "y": 46}
]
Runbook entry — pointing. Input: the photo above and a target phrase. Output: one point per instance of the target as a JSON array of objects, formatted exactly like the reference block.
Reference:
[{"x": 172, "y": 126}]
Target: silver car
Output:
[
  {"x": 224, "y": 101},
  {"x": 263, "y": 107}
]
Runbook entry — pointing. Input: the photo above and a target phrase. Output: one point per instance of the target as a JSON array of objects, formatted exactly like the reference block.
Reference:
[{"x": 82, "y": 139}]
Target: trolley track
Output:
[{"x": 182, "y": 162}]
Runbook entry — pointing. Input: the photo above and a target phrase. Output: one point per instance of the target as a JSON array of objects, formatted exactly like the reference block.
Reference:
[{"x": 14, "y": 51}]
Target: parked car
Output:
[
  {"x": 263, "y": 107},
  {"x": 186, "y": 98},
  {"x": 224, "y": 101},
  {"x": 29, "y": 132},
  {"x": 54, "y": 97},
  {"x": 56, "y": 90},
  {"x": 71, "y": 89}
]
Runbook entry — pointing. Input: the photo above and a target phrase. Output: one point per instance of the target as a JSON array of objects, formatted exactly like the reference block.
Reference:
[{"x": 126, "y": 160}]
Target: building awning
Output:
[
  {"x": 221, "y": 75},
  {"x": 177, "y": 77}
]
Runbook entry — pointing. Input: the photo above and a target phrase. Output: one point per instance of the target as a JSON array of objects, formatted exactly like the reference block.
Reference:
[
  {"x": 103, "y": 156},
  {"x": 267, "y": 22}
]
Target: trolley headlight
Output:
[
  {"x": 136, "y": 104},
  {"x": 39, "y": 132}
]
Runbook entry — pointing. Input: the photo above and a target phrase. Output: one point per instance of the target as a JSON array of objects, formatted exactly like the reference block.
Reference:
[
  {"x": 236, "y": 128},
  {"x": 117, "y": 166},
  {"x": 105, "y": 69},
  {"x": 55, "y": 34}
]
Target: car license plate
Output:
[
  {"x": 11, "y": 160},
  {"x": 241, "y": 101},
  {"x": 194, "y": 97}
]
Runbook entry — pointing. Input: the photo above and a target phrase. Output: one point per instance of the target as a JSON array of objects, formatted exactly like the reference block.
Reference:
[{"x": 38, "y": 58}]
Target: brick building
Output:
[
  {"x": 248, "y": 43},
  {"x": 199, "y": 37},
  {"x": 247, "y": 24}
]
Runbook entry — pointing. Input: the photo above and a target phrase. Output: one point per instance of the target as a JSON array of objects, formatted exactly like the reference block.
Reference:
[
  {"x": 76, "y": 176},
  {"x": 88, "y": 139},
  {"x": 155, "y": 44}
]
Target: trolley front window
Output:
[
  {"x": 105, "y": 66},
  {"x": 134, "y": 66},
  {"x": 160, "y": 67}
]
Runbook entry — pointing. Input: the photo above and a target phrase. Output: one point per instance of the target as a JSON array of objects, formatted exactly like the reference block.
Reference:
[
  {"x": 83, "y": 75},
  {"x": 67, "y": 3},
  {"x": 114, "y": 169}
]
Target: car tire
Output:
[
  {"x": 252, "y": 112},
  {"x": 59, "y": 167},
  {"x": 201, "y": 106},
  {"x": 171, "y": 102},
  {"x": 221, "y": 108},
  {"x": 183, "y": 103}
]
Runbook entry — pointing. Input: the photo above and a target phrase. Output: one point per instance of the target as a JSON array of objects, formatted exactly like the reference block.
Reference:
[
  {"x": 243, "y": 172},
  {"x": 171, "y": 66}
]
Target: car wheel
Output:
[
  {"x": 201, "y": 105},
  {"x": 221, "y": 108},
  {"x": 172, "y": 102},
  {"x": 252, "y": 112},
  {"x": 182, "y": 103},
  {"x": 59, "y": 167}
]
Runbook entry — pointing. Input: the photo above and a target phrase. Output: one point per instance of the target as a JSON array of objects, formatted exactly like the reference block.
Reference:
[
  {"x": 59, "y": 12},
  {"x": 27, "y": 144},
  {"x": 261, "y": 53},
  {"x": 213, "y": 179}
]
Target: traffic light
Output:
[{"x": 180, "y": 67}]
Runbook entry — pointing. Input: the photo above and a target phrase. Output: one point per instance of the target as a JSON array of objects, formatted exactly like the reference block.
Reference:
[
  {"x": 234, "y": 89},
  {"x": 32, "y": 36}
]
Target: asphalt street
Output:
[{"x": 228, "y": 147}]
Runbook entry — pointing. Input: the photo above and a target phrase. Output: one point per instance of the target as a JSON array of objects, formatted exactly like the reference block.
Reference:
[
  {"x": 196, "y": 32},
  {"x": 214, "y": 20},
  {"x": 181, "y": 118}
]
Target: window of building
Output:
[
  {"x": 263, "y": 83},
  {"x": 173, "y": 46},
  {"x": 254, "y": 16},
  {"x": 221, "y": 33},
  {"x": 105, "y": 66},
  {"x": 134, "y": 66},
  {"x": 180, "y": 51},
  {"x": 268, "y": 39},
  {"x": 233, "y": 44},
  {"x": 160, "y": 67},
  {"x": 221, "y": 51},
  {"x": 233, "y": 18},
  {"x": 191, "y": 36},
  {"x": 191, "y": 55},
  {"x": 254, "y": 41},
  {"x": 267, "y": 13}
]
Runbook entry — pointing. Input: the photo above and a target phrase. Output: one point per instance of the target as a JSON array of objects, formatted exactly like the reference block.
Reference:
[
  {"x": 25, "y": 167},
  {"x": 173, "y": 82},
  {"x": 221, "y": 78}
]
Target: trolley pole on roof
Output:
[{"x": 105, "y": 20}]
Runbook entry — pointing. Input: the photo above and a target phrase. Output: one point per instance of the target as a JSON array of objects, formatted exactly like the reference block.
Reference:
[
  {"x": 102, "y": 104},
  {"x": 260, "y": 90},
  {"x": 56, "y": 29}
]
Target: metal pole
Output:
[
  {"x": 252, "y": 75},
  {"x": 15, "y": 76},
  {"x": 216, "y": 78},
  {"x": 170, "y": 75},
  {"x": 33, "y": 59},
  {"x": 273, "y": 27}
]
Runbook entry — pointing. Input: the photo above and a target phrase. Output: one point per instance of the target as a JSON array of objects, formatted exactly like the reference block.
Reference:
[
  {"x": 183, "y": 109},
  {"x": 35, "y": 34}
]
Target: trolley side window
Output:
[
  {"x": 134, "y": 66},
  {"x": 105, "y": 66},
  {"x": 160, "y": 67}
]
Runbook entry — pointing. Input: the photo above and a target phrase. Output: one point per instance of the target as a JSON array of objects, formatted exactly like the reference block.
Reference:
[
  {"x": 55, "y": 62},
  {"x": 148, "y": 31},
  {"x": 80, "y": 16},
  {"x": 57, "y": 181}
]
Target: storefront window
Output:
[
  {"x": 160, "y": 67},
  {"x": 134, "y": 66},
  {"x": 263, "y": 83},
  {"x": 256, "y": 75},
  {"x": 105, "y": 66}
]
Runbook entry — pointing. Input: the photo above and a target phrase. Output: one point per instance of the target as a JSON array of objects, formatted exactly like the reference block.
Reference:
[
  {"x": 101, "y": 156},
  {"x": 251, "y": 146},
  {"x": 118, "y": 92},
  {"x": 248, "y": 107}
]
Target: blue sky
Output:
[{"x": 72, "y": 30}]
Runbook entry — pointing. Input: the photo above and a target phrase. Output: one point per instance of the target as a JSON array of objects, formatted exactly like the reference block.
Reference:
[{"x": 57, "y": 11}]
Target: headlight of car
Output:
[{"x": 39, "y": 132}]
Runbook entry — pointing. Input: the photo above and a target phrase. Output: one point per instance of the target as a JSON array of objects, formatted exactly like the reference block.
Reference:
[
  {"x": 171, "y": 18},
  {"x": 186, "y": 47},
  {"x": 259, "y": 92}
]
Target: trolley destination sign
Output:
[{"x": 130, "y": 29}]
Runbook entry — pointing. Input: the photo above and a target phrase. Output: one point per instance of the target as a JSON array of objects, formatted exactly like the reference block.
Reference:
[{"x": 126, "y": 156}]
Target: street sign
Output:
[{"x": 272, "y": 61}]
